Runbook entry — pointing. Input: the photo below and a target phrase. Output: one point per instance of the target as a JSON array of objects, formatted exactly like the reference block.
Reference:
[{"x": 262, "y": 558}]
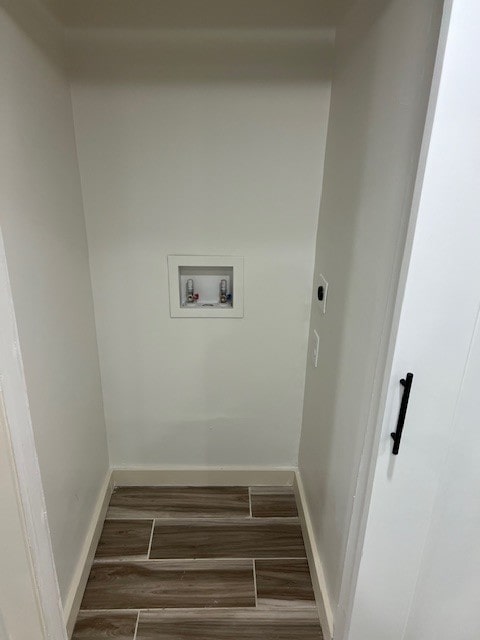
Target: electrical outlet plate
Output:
[{"x": 323, "y": 283}]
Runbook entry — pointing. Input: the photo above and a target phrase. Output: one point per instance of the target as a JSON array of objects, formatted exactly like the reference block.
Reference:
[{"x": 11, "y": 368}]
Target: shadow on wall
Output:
[
  {"x": 195, "y": 14},
  {"x": 39, "y": 25},
  {"x": 338, "y": 229},
  {"x": 184, "y": 40},
  {"x": 379, "y": 96},
  {"x": 178, "y": 56}
]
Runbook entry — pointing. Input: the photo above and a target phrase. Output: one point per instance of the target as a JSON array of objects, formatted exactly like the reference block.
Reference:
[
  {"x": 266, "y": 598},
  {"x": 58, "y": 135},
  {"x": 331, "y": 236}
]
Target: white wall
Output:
[
  {"x": 203, "y": 141},
  {"x": 384, "y": 61},
  {"x": 43, "y": 226}
]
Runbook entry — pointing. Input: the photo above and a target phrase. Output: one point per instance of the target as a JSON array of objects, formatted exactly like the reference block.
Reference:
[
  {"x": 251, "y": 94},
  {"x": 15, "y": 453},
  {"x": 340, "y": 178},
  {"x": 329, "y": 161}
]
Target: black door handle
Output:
[{"x": 397, "y": 436}]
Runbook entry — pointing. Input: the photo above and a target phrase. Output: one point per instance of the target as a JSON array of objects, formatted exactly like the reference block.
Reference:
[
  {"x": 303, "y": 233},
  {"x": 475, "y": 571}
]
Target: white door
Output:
[{"x": 419, "y": 576}]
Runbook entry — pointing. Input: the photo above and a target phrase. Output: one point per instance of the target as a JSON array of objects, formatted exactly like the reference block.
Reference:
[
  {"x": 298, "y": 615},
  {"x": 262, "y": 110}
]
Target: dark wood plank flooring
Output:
[
  {"x": 200, "y": 563},
  {"x": 149, "y": 585},
  {"x": 173, "y": 502},
  {"x": 124, "y": 539},
  {"x": 96, "y": 625},
  {"x": 271, "y": 502},
  {"x": 255, "y": 538},
  {"x": 283, "y": 582},
  {"x": 230, "y": 625}
]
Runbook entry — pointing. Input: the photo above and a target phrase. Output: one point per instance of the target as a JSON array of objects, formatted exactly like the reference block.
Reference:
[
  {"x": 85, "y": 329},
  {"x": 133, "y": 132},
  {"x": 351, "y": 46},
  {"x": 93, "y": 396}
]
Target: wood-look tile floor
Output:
[{"x": 200, "y": 563}]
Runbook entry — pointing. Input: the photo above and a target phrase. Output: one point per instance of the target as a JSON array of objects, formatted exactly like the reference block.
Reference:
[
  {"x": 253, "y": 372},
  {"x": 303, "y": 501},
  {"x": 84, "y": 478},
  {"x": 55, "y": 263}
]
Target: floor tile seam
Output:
[
  {"x": 206, "y": 519},
  {"x": 237, "y": 494},
  {"x": 125, "y": 559},
  {"x": 106, "y": 559},
  {"x": 169, "y": 610},
  {"x": 110, "y": 610},
  {"x": 175, "y": 486},
  {"x": 285, "y": 606},
  {"x": 151, "y": 539},
  {"x": 223, "y": 558},
  {"x": 127, "y": 518},
  {"x": 172, "y": 611},
  {"x": 255, "y": 582},
  {"x": 179, "y": 610},
  {"x": 254, "y": 519},
  {"x": 136, "y": 625},
  {"x": 269, "y": 490}
]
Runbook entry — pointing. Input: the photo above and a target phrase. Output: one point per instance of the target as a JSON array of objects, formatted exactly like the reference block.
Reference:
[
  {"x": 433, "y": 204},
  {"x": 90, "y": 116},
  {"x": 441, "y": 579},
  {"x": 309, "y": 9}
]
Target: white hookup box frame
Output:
[{"x": 206, "y": 273}]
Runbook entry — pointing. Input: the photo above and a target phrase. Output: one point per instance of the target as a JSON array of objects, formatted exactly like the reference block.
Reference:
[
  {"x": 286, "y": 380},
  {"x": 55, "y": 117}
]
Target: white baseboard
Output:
[
  {"x": 324, "y": 606},
  {"x": 79, "y": 580},
  {"x": 202, "y": 476}
]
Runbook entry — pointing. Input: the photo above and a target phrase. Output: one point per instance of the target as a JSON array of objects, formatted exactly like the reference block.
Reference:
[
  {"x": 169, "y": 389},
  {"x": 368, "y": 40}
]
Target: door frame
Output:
[
  {"x": 383, "y": 370},
  {"x": 31, "y": 497}
]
